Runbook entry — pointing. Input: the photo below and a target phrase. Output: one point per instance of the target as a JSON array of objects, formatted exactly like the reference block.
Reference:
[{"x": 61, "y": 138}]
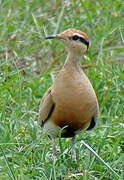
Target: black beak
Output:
[{"x": 53, "y": 37}]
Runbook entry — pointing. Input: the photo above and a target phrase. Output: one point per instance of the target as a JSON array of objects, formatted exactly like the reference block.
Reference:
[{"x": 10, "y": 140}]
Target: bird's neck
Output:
[{"x": 72, "y": 60}]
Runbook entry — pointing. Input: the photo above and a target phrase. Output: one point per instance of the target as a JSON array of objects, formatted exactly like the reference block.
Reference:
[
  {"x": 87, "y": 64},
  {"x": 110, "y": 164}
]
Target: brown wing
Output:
[
  {"x": 46, "y": 107},
  {"x": 94, "y": 119}
]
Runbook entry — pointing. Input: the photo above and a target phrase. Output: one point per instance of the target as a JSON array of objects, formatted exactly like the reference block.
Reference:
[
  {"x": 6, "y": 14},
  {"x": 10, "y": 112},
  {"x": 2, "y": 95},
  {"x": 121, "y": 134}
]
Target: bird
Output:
[{"x": 70, "y": 103}]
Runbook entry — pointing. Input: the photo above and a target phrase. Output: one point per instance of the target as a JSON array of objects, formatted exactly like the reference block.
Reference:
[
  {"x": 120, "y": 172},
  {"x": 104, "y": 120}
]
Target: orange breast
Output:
[
  {"x": 75, "y": 101},
  {"x": 73, "y": 115}
]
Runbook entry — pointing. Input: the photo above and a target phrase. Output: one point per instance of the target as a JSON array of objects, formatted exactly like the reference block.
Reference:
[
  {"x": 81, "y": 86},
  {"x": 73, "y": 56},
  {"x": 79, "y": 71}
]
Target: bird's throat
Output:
[{"x": 72, "y": 60}]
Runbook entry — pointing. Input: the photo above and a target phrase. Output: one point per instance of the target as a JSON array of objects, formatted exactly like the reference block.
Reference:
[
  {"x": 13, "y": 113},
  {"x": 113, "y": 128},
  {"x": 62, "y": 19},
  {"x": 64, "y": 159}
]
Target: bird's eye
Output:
[{"x": 75, "y": 38}]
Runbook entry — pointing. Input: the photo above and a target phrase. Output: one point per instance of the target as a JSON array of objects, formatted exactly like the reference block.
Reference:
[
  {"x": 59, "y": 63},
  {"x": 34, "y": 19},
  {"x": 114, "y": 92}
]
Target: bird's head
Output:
[{"x": 76, "y": 41}]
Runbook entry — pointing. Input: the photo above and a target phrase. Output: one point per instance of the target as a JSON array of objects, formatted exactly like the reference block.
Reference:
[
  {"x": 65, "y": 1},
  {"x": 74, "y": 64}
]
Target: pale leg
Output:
[
  {"x": 54, "y": 150},
  {"x": 73, "y": 149}
]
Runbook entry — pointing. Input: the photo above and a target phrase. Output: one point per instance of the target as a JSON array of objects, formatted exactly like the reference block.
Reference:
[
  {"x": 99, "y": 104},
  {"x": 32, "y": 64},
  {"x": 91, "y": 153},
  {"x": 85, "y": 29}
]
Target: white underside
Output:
[{"x": 51, "y": 129}]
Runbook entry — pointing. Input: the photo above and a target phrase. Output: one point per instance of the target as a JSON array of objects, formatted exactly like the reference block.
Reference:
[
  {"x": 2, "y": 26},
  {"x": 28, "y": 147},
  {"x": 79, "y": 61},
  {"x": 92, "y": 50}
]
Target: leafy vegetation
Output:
[{"x": 28, "y": 64}]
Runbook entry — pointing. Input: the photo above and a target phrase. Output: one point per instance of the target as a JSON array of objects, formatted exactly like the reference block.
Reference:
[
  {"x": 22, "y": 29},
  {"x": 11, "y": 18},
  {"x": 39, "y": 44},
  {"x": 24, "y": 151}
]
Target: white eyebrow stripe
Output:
[{"x": 79, "y": 35}]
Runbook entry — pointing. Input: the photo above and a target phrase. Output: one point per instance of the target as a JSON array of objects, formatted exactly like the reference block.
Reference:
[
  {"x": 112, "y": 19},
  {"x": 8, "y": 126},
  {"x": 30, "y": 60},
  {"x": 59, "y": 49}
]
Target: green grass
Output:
[{"x": 27, "y": 66}]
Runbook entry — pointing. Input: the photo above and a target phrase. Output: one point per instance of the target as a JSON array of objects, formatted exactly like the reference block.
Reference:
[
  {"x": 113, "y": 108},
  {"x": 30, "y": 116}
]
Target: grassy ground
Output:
[{"x": 28, "y": 65}]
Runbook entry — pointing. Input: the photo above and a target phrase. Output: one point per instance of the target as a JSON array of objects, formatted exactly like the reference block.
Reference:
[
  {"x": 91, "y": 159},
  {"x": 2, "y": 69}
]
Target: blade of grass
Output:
[
  {"x": 7, "y": 164},
  {"x": 59, "y": 19},
  {"x": 110, "y": 169},
  {"x": 89, "y": 18},
  {"x": 107, "y": 33},
  {"x": 60, "y": 140},
  {"x": 36, "y": 24}
]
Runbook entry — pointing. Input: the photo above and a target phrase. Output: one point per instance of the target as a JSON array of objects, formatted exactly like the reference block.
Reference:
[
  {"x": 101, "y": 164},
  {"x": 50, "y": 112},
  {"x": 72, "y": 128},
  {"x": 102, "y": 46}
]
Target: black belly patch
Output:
[{"x": 68, "y": 132}]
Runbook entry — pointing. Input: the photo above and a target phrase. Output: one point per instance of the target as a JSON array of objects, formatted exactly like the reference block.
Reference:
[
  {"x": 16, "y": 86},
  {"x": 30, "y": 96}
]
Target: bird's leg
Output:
[
  {"x": 54, "y": 149},
  {"x": 73, "y": 149}
]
